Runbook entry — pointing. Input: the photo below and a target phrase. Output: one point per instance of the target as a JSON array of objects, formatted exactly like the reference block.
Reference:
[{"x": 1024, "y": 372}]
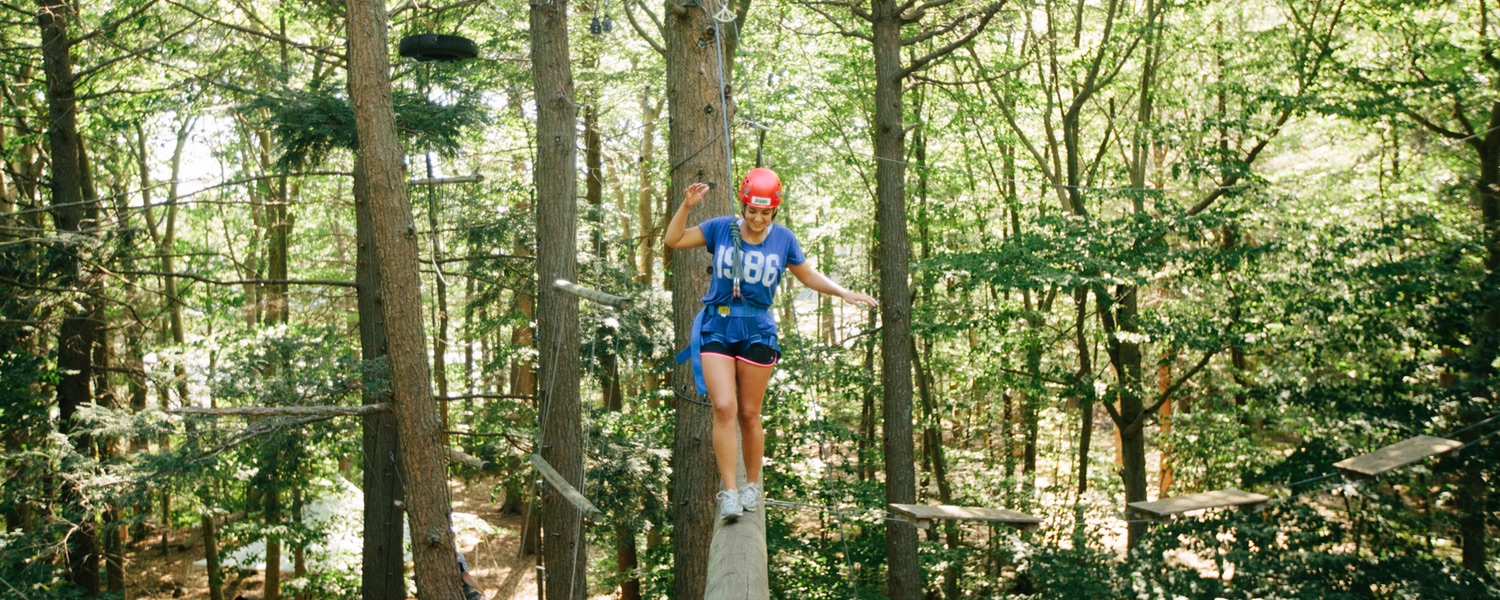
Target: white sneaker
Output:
[
  {"x": 750, "y": 494},
  {"x": 729, "y": 505}
]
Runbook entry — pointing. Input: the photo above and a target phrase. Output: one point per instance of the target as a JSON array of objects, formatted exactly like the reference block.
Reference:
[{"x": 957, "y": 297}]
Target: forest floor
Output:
[{"x": 493, "y": 558}]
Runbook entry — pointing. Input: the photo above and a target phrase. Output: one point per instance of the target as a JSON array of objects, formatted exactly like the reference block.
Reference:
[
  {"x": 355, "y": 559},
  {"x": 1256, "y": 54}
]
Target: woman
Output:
[{"x": 734, "y": 335}]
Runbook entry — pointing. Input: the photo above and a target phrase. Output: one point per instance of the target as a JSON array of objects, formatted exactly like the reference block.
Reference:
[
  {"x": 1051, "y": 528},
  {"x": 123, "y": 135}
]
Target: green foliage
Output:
[{"x": 310, "y": 123}]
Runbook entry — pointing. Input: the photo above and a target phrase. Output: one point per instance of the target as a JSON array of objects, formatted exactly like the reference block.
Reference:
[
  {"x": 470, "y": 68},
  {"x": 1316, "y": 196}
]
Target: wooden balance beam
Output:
[{"x": 737, "y": 558}]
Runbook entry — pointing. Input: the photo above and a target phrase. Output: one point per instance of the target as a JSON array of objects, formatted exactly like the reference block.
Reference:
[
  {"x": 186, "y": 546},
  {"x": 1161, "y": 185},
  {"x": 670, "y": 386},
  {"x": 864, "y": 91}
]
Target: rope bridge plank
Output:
[
  {"x": 1194, "y": 502},
  {"x": 923, "y": 515},
  {"x": 1395, "y": 456}
]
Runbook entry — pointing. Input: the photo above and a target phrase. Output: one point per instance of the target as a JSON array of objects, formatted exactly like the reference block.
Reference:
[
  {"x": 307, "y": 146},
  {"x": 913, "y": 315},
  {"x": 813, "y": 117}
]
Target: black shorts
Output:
[{"x": 755, "y": 353}]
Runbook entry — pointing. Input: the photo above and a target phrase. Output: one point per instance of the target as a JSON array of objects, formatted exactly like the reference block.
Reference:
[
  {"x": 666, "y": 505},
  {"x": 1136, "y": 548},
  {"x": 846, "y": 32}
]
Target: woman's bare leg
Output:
[
  {"x": 719, "y": 376},
  {"x": 753, "y": 380}
]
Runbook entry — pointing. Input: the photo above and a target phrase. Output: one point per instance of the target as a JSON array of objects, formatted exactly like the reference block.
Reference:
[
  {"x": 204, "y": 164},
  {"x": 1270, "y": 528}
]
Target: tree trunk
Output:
[
  {"x": 440, "y": 339},
  {"x": 1164, "y": 383},
  {"x": 1473, "y": 493},
  {"x": 904, "y": 576},
  {"x": 1086, "y": 403},
  {"x": 932, "y": 442},
  {"x": 697, "y": 150},
  {"x": 76, "y": 335},
  {"x": 423, "y": 464},
  {"x": 272, "y": 500},
  {"x": 1126, "y": 357},
  {"x": 383, "y": 577},
  {"x": 647, "y": 244},
  {"x": 867, "y": 407},
  {"x": 109, "y": 450},
  {"x": 564, "y": 550},
  {"x": 593, "y": 177}
]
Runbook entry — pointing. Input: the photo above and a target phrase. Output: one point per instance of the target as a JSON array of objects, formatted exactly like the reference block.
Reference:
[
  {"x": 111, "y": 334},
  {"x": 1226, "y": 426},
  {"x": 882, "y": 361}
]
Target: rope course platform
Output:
[
  {"x": 1395, "y": 456},
  {"x": 1195, "y": 502},
  {"x": 924, "y": 515},
  {"x": 590, "y": 512}
]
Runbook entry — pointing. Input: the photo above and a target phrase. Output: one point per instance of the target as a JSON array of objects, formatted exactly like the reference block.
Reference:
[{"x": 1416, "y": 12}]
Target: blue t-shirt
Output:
[{"x": 763, "y": 266}]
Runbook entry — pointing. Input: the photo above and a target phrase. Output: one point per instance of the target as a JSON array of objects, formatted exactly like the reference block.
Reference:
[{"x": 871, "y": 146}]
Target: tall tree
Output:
[
  {"x": 887, "y": 19},
  {"x": 699, "y": 52},
  {"x": 564, "y": 547},
  {"x": 423, "y": 461},
  {"x": 69, "y": 214},
  {"x": 383, "y": 576},
  {"x": 1435, "y": 65}
]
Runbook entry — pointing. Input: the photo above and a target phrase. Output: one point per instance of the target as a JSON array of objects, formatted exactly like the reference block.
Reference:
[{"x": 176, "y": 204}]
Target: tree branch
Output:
[
  {"x": 201, "y": 279},
  {"x": 487, "y": 397},
  {"x": 112, "y": 26},
  {"x": 838, "y": 25},
  {"x": 1172, "y": 389},
  {"x": 630, "y": 16},
  {"x": 260, "y": 34},
  {"x": 81, "y": 75},
  {"x": 286, "y": 411},
  {"x": 985, "y": 16}
]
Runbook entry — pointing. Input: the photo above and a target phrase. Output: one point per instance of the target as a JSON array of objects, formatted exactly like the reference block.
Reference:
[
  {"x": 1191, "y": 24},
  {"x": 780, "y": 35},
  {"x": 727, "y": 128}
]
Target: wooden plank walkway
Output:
[
  {"x": 1191, "y": 502},
  {"x": 924, "y": 515},
  {"x": 1395, "y": 456}
]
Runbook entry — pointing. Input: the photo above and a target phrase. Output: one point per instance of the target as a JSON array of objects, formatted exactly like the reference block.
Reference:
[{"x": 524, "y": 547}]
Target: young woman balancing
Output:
[{"x": 734, "y": 346}]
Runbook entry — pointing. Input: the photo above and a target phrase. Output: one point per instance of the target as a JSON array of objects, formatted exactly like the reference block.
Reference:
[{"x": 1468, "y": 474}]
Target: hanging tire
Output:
[{"x": 425, "y": 47}]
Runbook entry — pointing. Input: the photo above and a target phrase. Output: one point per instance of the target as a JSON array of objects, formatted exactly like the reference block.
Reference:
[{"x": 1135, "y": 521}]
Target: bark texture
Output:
[
  {"x": 76, "y": 335},
  {"x": 696, "y": 151},
  {"x": 423, "y": 466},
  {"x": 904, "y": 578},
  {"x": 564, "y": 549},
  {"x": 383, "y": 577}
]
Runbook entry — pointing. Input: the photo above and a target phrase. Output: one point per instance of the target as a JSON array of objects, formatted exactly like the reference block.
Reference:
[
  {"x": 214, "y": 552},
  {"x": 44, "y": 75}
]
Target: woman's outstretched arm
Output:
[
  {"x": 821, "y": 284},
  {"x": 678, "y": 234}
]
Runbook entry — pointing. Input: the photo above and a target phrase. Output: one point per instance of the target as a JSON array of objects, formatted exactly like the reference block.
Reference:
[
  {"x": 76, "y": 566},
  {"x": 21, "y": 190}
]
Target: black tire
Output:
[{"x": 425, "y": 47}]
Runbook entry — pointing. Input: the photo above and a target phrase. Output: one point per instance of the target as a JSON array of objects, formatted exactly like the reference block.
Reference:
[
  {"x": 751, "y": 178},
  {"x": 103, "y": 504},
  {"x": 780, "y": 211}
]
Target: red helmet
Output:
[{"x": 761, "y": 188}]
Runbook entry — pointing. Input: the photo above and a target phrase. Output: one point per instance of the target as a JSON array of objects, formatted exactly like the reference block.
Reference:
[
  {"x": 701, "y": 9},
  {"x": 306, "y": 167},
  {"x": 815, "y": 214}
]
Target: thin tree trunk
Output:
[
  {"x": 440, "y": 339},
  {"x": 272, "y": 500},
  {"x": 211, "y": 555},
  {"x": 647, "y": 242},
  {"x": 1164, "y": 383},
  {"x": 1086, "y": 403}
]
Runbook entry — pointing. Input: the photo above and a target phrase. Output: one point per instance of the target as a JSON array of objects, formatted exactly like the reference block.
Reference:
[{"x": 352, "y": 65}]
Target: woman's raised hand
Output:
[{"x": 694, "y": 194}]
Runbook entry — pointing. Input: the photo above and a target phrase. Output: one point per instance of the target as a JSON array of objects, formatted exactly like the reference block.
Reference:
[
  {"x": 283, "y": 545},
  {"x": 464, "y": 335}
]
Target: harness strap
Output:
[
  {"x": 739, "y": 256},
  {"x": 694, "y": 351}
]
